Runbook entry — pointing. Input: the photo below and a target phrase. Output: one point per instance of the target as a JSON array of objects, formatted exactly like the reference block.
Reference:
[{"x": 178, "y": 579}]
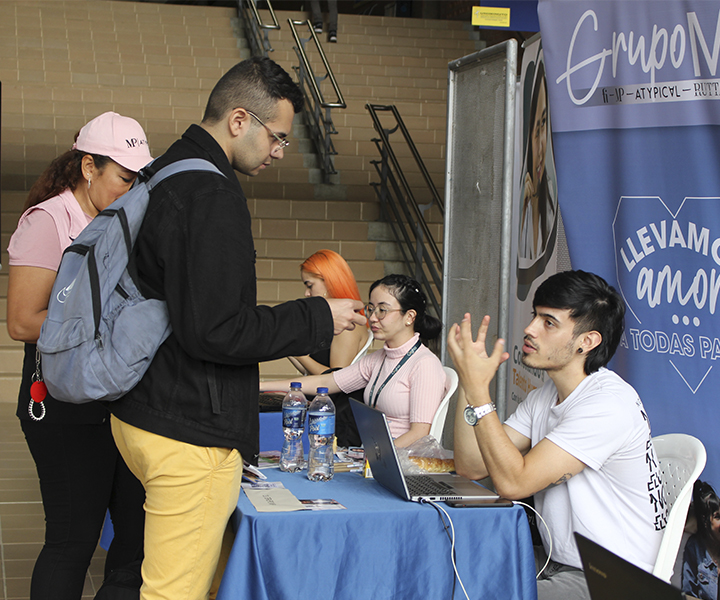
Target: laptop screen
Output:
[{"x": 610, "y": 577}]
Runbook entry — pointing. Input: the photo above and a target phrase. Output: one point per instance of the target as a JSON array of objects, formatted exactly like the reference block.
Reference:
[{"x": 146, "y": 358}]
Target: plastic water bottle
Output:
[
  {"x": 294, "y": 407},
  {"x": 321, "y": 432}
]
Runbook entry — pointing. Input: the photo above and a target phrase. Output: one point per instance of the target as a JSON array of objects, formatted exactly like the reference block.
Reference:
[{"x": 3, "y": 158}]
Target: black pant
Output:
[{"x": 81, "y": 476}]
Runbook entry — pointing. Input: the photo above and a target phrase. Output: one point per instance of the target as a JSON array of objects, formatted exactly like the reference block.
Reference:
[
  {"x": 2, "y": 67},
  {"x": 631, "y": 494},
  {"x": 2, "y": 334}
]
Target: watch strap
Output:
[{"x": 481, "y": 411}]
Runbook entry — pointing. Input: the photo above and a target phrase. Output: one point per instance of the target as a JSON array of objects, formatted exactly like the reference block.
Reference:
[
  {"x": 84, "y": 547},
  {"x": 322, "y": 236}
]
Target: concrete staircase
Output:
[{"x": 62, "y": 62}]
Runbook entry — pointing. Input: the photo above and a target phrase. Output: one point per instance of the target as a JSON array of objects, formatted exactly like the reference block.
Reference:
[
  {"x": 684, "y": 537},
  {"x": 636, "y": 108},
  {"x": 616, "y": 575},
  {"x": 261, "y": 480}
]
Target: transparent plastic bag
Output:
[{"x": 425, "y": 455}]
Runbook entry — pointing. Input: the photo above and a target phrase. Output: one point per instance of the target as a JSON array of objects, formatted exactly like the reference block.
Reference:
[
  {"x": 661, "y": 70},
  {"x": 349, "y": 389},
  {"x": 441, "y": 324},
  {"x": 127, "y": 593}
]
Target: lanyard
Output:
[{"x": 395, "y": 370}]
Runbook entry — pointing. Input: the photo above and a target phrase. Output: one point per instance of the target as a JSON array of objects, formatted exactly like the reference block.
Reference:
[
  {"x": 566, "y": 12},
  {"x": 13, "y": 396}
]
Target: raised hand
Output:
[
  {"x": 474, "y": 366},
  {"x": 345, "y": 314}
]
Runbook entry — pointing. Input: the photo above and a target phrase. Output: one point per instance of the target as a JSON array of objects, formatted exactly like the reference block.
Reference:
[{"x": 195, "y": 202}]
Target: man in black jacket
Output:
[{"x": 184, "y": 428}]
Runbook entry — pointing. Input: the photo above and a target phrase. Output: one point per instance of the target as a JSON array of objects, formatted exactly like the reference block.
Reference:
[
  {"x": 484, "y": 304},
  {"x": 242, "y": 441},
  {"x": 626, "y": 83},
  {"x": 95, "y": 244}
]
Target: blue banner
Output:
[{"x": 634, "y": 90}]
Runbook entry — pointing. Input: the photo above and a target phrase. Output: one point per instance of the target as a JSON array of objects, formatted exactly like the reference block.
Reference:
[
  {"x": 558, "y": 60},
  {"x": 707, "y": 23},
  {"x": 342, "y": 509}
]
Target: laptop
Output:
[
  {"x": 609, "y": 576},
  {"x": 382, "y": 456}
]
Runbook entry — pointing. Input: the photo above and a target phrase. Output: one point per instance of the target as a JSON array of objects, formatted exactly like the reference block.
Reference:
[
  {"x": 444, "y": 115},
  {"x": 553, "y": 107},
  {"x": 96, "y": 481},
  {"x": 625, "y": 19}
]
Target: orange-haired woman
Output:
[{"x": 327, "y": 274}]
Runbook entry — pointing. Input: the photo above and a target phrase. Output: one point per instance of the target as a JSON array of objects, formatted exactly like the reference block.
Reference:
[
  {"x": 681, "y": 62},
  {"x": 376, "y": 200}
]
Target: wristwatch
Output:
[{"x": 473, "y": 414}]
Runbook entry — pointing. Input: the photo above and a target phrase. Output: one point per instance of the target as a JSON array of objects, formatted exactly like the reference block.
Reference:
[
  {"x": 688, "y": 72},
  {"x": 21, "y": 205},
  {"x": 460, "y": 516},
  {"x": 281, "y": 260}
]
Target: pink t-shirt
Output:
[
  {"x": 412, "y": 395},
  {"x": 45, "y": 230}
]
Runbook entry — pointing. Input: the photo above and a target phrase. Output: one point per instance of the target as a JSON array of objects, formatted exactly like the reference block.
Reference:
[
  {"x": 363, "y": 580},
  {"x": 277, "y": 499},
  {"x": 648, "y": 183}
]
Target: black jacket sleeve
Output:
[{"x": 205, "y": 252}]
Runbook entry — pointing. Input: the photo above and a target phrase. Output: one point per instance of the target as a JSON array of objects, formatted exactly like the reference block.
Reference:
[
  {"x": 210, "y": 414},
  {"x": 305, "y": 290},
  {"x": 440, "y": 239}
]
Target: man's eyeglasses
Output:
[
  {"x": 283, "y": 143},
  {"x": 380, "y": 311}
]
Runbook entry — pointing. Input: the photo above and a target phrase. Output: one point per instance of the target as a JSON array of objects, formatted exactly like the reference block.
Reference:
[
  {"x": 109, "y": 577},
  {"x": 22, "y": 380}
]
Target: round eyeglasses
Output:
[
  {"x": 380, "y": 311},
  {"x": 282, "y": 142}
]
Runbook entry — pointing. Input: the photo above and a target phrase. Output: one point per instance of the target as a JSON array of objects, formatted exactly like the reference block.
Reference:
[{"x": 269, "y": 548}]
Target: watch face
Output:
[{"x": 470, "y": 416}]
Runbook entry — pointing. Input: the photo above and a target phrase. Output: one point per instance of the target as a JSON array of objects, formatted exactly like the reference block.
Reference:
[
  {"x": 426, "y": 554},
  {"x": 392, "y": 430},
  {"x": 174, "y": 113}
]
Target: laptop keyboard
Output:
[{"x": 422, "y": 485}]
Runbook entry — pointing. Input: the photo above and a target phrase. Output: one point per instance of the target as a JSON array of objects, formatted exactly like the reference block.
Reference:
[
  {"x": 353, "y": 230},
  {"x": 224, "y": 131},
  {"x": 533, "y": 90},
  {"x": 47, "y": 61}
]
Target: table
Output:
[{"x": 380, "y": 548}]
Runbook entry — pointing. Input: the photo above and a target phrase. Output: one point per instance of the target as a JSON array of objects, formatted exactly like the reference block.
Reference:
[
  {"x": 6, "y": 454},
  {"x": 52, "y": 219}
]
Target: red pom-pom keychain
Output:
[{"x": 38, "y": 391}]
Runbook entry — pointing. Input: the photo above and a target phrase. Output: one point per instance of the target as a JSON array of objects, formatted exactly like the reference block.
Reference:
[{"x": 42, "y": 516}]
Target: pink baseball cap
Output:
[{"x": 117, "y": 137}]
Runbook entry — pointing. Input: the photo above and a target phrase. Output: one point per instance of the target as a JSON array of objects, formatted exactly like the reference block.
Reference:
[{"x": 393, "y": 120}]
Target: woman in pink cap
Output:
[{"x": 81, "y": 472}]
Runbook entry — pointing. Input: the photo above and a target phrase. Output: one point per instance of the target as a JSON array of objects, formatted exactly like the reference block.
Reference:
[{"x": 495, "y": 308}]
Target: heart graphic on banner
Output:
[{"x": 668, "y": 272}]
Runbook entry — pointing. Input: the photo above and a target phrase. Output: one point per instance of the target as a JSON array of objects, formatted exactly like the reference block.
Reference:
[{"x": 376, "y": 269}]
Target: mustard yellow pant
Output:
[{"x": 190, "y": 493}]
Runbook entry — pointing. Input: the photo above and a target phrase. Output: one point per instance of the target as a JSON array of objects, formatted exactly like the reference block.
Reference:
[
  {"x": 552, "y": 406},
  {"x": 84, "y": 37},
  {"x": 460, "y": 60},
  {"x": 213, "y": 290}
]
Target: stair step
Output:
[
  {"x": 11, "y": 360},
  {"x": 10, "y": 385},
  {"x": 290, "y": 229},
  {"x": 65, "y": 62},
  {"x": 271, "y": 207}
]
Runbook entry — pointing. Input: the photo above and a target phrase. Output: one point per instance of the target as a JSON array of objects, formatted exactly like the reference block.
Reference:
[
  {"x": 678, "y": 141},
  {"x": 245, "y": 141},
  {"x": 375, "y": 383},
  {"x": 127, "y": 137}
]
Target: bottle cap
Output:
[
  {"x": 322, "y": 390},
  {"x": 296, "y": 384}
]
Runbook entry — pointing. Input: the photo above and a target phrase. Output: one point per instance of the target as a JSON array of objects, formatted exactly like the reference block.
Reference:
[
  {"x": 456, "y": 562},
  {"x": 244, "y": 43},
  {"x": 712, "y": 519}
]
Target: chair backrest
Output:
[
  {"x": 438, "y": 422},
  {"x": 364, "y": 349},
  {"x": 682, "y": 458}
]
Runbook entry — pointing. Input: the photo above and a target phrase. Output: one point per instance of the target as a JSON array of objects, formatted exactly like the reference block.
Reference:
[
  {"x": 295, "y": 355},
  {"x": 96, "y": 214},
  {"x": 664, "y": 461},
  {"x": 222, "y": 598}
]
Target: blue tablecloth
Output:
[
  {"x": 380, "y": 548},
  {"x": 271, "y": 432}
]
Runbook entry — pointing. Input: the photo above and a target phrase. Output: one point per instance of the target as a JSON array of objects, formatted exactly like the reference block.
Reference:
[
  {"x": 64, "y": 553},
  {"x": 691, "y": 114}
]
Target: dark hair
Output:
[
  {"x": 594, "y": 306},
  {"x": 410, "y": 297},
  {"x": 705, "y": 504},
  {"x": 255, "y": 84},
  {"x": 65, "y": 172}
]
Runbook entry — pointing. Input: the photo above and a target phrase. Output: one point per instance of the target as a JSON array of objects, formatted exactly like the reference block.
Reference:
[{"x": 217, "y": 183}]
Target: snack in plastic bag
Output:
[{"x": 425, "y": 455}]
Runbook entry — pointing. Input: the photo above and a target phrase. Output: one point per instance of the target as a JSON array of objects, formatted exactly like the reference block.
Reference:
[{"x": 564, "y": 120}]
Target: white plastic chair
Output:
[
  {"x": 438, "y": 422},
  {"x": 364, "y": 349},
  {"x": 682, "y": 458}
]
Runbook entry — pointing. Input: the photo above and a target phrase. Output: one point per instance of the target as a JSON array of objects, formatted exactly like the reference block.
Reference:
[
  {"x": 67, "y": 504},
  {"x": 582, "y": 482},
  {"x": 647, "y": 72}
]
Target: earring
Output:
[
  {"x": 580, "y": 350},
  {"x": 89, "y": 183}
]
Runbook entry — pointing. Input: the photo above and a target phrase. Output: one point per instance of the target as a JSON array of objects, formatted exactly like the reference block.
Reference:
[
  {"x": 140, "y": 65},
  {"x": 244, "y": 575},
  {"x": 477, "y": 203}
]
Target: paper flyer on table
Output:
[
  {"x": 253, "y": 471},
  {"x": 272, "y": 499},
  {"x": 321, "y": 504}
]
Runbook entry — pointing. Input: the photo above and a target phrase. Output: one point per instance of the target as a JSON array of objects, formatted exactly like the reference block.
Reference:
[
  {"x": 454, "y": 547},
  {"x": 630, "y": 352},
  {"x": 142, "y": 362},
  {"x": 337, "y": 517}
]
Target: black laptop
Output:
[
  {"x": 611, "y": 577},
  {"x": 381, "y": 454}
]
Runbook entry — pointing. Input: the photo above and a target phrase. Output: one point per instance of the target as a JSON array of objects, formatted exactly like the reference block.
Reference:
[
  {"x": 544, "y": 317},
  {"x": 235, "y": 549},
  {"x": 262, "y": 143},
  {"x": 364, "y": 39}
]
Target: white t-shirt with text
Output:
[{"x": 617, "y": 500}]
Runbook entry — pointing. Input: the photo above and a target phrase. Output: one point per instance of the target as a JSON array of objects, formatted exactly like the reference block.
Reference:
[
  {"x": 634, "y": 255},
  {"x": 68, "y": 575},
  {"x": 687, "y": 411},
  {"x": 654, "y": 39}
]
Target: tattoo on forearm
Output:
[{"x": 563, "y": 479}]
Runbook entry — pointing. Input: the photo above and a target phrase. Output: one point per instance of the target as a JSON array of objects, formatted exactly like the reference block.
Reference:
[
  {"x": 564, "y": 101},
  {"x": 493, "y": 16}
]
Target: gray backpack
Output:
[{"x": 101, "y": 334}]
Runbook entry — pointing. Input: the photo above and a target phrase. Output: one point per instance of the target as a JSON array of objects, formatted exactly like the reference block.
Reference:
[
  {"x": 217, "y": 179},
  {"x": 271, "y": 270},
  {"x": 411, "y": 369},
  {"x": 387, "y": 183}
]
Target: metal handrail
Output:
[
  {"x": 410, "y": 241},
  {"x": 320, "y": 126},
  {"x": 420, "y": 251},
  {"x": 302, "y": 55},
  {"x": 383, "y": 133},
  {"x": 260, "y": 45}
]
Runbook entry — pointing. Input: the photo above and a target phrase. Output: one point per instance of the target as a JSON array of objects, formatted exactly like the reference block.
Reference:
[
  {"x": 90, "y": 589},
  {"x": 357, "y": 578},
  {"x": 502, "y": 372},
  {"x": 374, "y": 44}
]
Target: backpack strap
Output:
[{"x": 182, "y": 166}]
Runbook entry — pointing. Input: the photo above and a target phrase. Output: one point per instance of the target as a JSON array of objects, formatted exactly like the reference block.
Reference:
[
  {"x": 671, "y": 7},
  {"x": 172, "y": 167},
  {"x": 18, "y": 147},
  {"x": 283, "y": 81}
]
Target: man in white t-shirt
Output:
[{"x": 581, "y": 444}]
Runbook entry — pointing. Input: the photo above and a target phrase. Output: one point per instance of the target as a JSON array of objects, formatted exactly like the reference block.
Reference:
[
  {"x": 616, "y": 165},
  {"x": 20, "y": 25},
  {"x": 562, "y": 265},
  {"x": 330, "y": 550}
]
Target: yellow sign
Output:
[{"x": 491, "y": 16}]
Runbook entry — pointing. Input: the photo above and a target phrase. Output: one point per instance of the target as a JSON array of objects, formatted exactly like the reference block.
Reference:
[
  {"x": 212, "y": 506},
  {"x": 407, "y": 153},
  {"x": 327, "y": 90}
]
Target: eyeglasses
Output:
[
  {"x": 283, "y": 143},
  {"x": 380, "y": 311}
]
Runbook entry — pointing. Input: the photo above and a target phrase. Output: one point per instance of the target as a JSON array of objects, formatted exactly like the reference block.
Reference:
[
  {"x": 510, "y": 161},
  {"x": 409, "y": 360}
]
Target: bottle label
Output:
[
  {"x": 293, "y": 418},
  {"x": 323, "y": 425}
]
